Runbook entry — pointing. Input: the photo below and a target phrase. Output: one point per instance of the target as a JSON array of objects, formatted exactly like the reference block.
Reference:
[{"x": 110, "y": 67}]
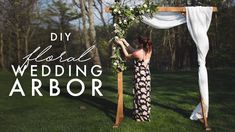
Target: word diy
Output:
[{"x": 62, "y": 36}]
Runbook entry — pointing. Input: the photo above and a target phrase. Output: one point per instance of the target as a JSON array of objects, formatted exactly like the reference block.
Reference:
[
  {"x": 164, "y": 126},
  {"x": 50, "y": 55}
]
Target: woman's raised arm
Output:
[
  {"x": 129, "y": 48},
  {"x": 121, "y": 43}
]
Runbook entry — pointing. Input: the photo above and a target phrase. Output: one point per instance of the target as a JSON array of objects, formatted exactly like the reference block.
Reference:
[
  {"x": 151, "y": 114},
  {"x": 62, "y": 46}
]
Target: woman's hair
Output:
[{"x": 146, "y": 44}]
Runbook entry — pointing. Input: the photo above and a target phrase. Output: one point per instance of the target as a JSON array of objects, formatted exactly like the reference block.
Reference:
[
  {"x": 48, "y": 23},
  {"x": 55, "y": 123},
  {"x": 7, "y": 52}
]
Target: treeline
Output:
[
  {"x": 27, "y": 24},
  {"x": 174, "y": 48}
]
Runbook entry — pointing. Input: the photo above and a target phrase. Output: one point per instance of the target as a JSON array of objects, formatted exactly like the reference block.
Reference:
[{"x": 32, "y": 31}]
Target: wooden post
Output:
[
  {"x": 204, "y": 115},
  {"x": 119, "y": 114}
]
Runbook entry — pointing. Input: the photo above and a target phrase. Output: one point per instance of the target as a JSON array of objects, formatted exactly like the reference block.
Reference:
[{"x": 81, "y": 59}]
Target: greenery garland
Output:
[{"x": 125, "y": 18}]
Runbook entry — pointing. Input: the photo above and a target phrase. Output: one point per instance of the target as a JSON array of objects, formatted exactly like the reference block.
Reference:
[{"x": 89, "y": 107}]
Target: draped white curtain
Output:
[
  {"x": 198, "y": 21},
  {"x": 164, "y": 20}
]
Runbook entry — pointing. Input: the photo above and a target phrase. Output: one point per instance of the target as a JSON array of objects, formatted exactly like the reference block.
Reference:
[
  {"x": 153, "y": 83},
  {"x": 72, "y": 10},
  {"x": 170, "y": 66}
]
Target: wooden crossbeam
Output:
[
  {"x": 167, "y": 9},
  {"x": 178, "y": 9}
]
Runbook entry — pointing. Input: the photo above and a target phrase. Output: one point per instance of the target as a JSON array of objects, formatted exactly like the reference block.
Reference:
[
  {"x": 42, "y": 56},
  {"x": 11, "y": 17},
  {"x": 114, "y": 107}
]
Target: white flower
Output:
[
  {"x": 116, "y": 38},
  {"x": 145, "y": 6},
  {"x": 131, "y": 9},
  {"x": 119, "y": 12},
  {"x": 114, "y": 48},
  {"x": 148, "y": 10},
  {"x": 141, "y": 12},
  {"x": 120, "y": 22},
  {"x": 116, "y": 31},
  {"x": 115, "y": 10},
  {"x": 115, "y": 24},
  {"x": 124, "y": 21},
  {"x": 114, "y": 63},
  {"x": 132, "y": 18}
]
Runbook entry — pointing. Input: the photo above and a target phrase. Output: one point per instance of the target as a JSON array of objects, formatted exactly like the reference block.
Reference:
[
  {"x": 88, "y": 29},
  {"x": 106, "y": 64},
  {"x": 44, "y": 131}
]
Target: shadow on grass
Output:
[
  {"x": 108, "y": 107},
  {"x": 182, "y": 112}
]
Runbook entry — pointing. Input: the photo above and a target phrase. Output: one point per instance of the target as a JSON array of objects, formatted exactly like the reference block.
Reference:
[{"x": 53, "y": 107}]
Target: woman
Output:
[{"x": 142, "y": 79}]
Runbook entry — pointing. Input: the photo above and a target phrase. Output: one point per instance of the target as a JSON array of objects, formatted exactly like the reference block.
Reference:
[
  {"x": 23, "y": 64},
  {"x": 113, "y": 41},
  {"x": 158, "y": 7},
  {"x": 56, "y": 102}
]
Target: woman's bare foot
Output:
[
  {"x": 208, "y": 129},
  {"x": 201, "y": 120}
]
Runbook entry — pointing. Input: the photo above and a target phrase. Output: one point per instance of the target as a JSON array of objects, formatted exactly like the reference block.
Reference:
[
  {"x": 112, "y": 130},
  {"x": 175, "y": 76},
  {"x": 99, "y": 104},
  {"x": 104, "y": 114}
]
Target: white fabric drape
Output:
[
  {"x": 164, "y": 20},
  {"x": 198, "y": 21}
]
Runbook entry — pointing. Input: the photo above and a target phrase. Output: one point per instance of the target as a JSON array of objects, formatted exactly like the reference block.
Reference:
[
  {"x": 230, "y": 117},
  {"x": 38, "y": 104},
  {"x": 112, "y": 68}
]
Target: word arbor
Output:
[{"x": 54, "y": 88}]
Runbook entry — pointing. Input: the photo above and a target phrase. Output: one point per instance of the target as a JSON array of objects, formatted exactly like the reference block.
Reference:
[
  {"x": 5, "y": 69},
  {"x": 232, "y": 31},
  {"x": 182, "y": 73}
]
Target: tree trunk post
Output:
[
  {"x": 204, "y": 115},
  {"x": 18, "y": 44},
  {"x": 96, "y": 57},
  {"x": 84, "y": 27},
  {"x": 1, "y": 51},
  {"x": 119, "y": 114}
]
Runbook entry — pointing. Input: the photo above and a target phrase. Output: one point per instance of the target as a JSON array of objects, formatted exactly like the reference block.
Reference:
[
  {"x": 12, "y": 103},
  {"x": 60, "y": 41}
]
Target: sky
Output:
[{"x": 107, "y": 16}]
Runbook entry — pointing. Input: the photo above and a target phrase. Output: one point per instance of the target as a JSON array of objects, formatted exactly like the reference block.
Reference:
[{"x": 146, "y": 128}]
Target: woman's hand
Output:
[
  {"x": 119, "y": 42},
  {"x": 123, "y": 46},
  {"x": 125, "y": 42}
]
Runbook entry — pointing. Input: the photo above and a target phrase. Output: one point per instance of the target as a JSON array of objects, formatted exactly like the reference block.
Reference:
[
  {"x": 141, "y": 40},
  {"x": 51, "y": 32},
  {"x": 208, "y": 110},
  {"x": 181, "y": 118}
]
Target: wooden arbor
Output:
[{"x": 120, "y": 113}]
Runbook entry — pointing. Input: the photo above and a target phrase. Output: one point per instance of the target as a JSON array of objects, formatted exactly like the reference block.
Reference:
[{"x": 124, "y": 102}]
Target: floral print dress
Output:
[{"x": 141, "y": 91}]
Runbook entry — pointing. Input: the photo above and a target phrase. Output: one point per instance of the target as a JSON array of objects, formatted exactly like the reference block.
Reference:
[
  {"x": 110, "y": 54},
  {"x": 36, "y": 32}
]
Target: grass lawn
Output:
[{"x": 174, "y": 96}]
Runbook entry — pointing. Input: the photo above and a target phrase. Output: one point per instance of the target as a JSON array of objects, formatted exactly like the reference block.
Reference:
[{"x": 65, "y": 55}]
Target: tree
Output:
[
  {"x": 17, "y": 25},
  {"x": 60, "y": 14},
  {"x": 87, "y": 11},
  {"x": 96, "y": 56},
  {"x": 2, "y": 65},
  {"x": 99, "y": 6},
  {"x": 1, "y": 37}
]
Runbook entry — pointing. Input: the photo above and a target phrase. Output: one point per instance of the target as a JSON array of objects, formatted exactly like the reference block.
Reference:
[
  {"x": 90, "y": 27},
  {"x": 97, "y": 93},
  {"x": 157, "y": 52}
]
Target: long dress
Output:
[{"x": 141, "y": 91}]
